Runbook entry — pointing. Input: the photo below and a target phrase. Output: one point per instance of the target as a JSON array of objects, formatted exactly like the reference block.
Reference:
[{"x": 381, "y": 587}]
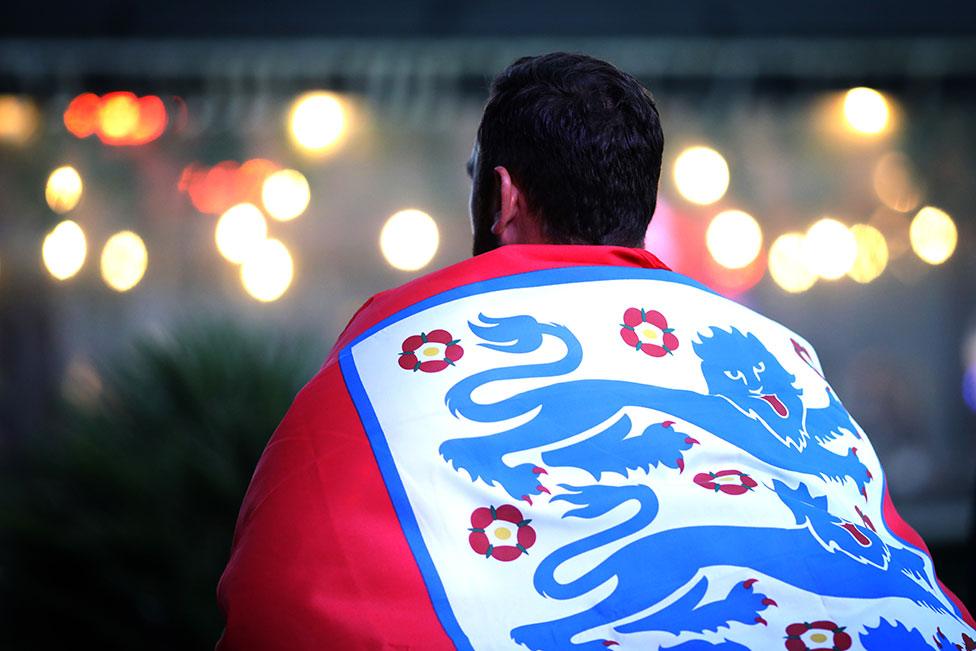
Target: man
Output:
[{"x": 561, "y": 444}]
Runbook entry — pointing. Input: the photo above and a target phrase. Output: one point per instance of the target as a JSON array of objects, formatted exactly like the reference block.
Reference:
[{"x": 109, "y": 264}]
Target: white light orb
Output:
[
  {"x": 64, "y": 250},
  {"x": 285, "y": 194},
  {"x": 787, "y": 266},
  {"x": 734, "y": 239},
  {"x": 318, "y": 122},
  {"x": 933, "y": 235},
  {"x": 866, "y": 110},
  {"x": 267, "y": 271},
  {"x": 872, "y": 253},
  {"x": 239, "y": 231},
  {"x": 409, "y": 240},
  {"x": 829, "y": 249},
  {"x": 701, "y": 175},
  {"x": 63, "y": 189},
  {"x": 124, "y": 261}
]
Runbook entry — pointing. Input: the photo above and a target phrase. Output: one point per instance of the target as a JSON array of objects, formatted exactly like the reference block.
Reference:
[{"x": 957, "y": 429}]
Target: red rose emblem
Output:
[
  {"x": 502, "y": 533},
  {"x": 733, "y": 482},
  {"x": 817, "y": 636},
  {"x": 430, "y": 352},
  {"x": 648, "y": 332}
]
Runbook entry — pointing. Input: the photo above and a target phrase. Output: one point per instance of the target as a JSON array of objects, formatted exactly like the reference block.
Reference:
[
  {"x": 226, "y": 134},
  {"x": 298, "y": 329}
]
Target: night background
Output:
[{"x": 196, "y": 197}]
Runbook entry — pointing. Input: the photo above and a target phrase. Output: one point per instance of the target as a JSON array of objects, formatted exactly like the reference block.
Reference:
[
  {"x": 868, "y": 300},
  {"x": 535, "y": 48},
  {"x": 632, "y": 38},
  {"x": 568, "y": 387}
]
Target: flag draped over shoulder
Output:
[{"x": 572, "y": 447}]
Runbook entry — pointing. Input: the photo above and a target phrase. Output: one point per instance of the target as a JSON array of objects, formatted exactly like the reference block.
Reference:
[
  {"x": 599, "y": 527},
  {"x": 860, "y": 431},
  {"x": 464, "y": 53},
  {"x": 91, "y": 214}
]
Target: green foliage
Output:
[{"x": 115, "y": 526}]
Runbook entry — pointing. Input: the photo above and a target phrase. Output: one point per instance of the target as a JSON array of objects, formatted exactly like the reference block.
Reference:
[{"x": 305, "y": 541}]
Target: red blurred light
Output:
[
  {"x": 252, "y": 176},
  {"x": 214, "y": 190},
  {"x": 81, "y": 116},
  {"x": 119, "y": 118},
  {"x": 152, "y": 120}
]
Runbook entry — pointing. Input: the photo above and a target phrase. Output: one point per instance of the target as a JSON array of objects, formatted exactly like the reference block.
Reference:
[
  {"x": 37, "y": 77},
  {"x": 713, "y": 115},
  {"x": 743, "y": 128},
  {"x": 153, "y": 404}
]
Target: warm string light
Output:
[
  {"x": 866, "y": 111},
  {"x": 266, "y": 266},
  {"x": 19, "y": 119},
  {"x": 63, "y": 189},
  {"x": 409, "y": 240},
  {"x": 734, "y": 239},
  {"x": 285, "y": 194},
  {"x": 240, "y": 230},
  {"x": 701, "y": 175},
  {"x": 829, "y": 249},
  {"x": 213, "y": 190},
  {"x": 318, "y": 122},
  {"x": 124, "y": 261},
  {"x": 118, "y": 119},
  {"x": 64, "y": 249},
  {"x": 872, "y": 253},
  {"x": 787, "y": 265},
  {"x": 933, "y": 235},
  {"x": 267, "y": 271}
]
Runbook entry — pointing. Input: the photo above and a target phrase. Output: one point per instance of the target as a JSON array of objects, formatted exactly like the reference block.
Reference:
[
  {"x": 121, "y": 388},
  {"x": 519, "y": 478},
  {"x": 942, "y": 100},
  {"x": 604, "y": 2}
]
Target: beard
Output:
[{"x": 484, "y": 239}]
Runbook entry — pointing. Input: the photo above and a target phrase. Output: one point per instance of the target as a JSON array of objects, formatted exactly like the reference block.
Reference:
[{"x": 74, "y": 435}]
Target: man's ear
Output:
[{"x": 510, "y": 219}]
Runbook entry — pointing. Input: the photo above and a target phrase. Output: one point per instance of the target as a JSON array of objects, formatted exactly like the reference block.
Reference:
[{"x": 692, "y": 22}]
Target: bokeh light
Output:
[
  {"x": 119, "y": 118},
  {"x": 18, "y": 119},
  {"x": 81, "y": 116},
  {"x": 829, "y": 249},
  {"x": 895, "y": 182},
  {"x": 63, "y": 189},
  {"x": 152, "y": 120},
  {"x": 409, "y": 239},
  {"x": 734, "y": 238},
  {"x": 894, "y": 226},
  {"x": 267, "y": 271},
  {"x": 787, "y": 264},
  {"x": 124, "y": 261},
  {"x": 212, "y": 190},
  {"x": 251, "y": 176},
  {"x": 285, "y": 194},
  {"x": 866, "y": 111},
  {"x": 240, "y": 230},
  {"x": 933, "y": 235},
  {"x": 872, "y": 253},
  {"x": 318, "y": 122},
  {"x": 701, "y": 175},
  {"x": 64, "y": 250}
]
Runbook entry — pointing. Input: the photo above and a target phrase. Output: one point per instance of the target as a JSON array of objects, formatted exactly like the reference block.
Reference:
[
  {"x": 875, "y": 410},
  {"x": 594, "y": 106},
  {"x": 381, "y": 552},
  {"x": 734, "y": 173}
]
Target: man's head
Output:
[{"x": 568, "y": 152}]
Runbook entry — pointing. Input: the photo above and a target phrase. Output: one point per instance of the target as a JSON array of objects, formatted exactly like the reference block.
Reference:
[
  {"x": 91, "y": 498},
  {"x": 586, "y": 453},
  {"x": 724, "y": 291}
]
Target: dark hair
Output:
[{"x": 583, "y": 142}]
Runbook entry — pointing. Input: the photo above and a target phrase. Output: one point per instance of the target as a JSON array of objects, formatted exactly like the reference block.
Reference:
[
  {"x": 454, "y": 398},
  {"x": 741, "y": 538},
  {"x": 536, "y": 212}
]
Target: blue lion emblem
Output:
[
  {"x": 846, "y": 567},
  {"x": 753, "y": 403}
]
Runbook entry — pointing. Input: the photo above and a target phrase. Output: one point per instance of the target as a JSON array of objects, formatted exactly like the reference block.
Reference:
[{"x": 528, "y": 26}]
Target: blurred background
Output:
[{"x": 195, "y": 198}]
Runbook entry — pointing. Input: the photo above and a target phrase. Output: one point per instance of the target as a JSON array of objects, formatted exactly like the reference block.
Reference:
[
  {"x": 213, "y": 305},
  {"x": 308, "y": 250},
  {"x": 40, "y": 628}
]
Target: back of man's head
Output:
[{"x": 583, "y": 142}]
